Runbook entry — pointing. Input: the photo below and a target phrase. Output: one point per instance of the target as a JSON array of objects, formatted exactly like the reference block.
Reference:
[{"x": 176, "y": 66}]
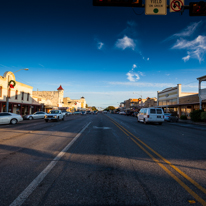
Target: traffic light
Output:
[
  {"x": 124, "y": 3},
  {"x": 197, "y": 8}
]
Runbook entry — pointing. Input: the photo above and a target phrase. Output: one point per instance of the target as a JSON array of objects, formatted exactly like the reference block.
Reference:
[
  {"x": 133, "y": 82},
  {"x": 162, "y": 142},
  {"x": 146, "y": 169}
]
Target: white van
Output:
[{"x": 151, "y": 115}]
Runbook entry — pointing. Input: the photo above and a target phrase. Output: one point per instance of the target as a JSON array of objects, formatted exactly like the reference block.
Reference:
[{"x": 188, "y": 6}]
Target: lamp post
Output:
[
  {"x": 7, "y": 98},
  {"x": 140, "y": 96}
]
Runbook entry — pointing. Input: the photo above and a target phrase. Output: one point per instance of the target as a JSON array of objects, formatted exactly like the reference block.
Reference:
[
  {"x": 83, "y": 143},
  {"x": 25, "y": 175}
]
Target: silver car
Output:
[
  {"x": 10, "y": 118},
  {"x": 36, "y": 115}
]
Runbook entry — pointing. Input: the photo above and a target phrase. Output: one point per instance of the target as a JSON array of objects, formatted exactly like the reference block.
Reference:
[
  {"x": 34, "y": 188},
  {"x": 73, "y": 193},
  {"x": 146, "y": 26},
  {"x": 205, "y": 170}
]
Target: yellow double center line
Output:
[{"x": 138, "y": 142}]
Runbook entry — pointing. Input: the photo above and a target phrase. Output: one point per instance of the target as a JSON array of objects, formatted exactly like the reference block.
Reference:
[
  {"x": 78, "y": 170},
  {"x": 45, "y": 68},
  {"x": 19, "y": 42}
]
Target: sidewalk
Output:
[
  {"x": 190, "y": 124},
  {"x": 188, "y": 121}
]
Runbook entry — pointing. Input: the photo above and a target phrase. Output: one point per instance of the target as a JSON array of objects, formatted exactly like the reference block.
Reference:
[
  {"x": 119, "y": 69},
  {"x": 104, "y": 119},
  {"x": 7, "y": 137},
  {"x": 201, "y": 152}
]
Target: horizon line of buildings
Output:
[
  {"x": 21, "y": 99},
  {"x": 172, "y": 100}
]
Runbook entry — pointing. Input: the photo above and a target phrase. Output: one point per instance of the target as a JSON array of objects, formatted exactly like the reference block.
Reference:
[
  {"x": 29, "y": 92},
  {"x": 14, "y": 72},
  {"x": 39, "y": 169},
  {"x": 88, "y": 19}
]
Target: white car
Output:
[
  {"x": 151, "y": 115},
  {"x": 36, "y": 115},
  {"x": 122, "y": 113},
  {"x": 10, "y": 118},
  {"x": 54, "y": 115}
]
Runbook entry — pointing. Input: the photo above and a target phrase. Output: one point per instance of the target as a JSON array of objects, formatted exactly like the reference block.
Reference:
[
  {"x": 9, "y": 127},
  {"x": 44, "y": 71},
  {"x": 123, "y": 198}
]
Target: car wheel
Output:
[
  {"x": 160, "y": 123},
  {"x": 46, "y": 120},
  {"x": 30, "y": 118},
  {"x": 57, "y": 119},
  {"x": 13, "y": 121},
  {"x": 145, "y": 122},
  {"x": 63, "y": 119}
]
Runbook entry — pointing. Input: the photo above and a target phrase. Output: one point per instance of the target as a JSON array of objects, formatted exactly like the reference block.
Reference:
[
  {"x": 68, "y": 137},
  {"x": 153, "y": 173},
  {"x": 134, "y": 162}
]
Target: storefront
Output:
[{"x": 19, "y": 108}]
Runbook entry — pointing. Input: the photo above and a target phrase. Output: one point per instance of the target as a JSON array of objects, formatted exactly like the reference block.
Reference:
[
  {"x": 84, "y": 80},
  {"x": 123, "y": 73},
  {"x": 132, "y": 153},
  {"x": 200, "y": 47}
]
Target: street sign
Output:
[
  {"x": 176, "y": 5},
  {"x": 156, "y": 7}
]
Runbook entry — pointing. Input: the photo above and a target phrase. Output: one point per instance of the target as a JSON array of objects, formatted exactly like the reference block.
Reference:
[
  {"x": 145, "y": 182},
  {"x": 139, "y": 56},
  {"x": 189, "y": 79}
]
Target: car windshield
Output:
[{"x": 54, "y": 112}]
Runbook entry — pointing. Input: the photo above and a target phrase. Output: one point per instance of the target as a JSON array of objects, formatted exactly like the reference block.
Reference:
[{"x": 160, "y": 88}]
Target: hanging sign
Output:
[
  {"x": 176, "y": 5},
  {"x": 156, "y": 7}
]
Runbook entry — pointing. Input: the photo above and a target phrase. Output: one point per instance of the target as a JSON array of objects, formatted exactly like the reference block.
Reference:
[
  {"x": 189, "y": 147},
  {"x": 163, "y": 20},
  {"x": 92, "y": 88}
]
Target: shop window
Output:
[
  {"x": 16, "y": 94},
  {"x": 0, "y": 91},
  {"x": 9, "y": 93},
  {"x": 28, "y": 96},
  {"x": 22, "y": 95}
]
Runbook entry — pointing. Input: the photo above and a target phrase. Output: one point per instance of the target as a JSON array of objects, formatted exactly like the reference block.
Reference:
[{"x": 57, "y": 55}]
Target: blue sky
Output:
[{"x": 106, "y": 54}]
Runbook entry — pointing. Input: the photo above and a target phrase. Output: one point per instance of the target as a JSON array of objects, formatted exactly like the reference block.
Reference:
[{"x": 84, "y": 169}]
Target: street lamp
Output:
[
  {"x": 7, "y": 98},
  {"x": 26, "y": 69},
  {"x": 140, "y": 96}
]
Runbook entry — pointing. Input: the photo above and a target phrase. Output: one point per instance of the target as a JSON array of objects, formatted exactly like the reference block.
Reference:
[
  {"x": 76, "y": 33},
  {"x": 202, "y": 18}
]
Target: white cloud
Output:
[
  {"x": 167, "y": 74},
  {"x": 189, "y": 30},
  {"x": 141, "y": 73},
  {"x": 132, "y": 76},
  {"x": 147, "y": 59},
  {"x": 100, "y": 45},
  {"x": 134, "y": 66},
  {"x": 186, "y": 58},
  {"x": 125, "y": 42},
  {"x": 196, "y": 48}
]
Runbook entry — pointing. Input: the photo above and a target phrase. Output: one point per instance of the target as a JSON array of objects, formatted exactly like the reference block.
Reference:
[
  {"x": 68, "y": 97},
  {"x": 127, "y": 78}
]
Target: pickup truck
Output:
[{"x": 54, "y": 115}]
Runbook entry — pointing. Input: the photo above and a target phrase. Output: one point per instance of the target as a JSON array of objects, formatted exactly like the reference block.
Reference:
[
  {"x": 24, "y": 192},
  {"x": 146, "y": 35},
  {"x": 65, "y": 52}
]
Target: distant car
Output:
[
  {"x": 129, "y": 113},
  {"x": 135, "y": 114},
  {"x": 104, "y": 112},
  {"x": 10, "y": 118},
  {"x": 95, "y": 112},
  {"x": 76, "y": 113},
  {"x": 65, "y": 113},
  {"x": 36, "y": 115},
  {"x": 88, "y": 112},
  {"x": 169, "y": 117},
  {"x": 83, "y": 112},
  {"x": 122, "y": 113},
  {"x": 54, "y": 115}
]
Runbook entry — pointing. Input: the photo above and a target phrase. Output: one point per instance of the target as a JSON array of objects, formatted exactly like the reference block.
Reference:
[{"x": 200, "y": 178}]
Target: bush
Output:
[
  {"x": 183, "y": 117},
  {"x": 196, "y": 115},
  {"x": 203, "y": 116}
]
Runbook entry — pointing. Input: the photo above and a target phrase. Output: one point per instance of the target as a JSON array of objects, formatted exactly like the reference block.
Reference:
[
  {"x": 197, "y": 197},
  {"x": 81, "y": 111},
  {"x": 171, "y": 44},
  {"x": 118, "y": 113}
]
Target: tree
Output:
[
  {"x": 94, "y": 108},
  {"x": 110, "y": 108},
  {"x": 86, "y": 105}
]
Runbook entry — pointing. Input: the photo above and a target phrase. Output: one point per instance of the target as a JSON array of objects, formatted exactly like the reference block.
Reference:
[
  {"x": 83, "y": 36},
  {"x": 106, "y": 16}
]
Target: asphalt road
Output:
[{"x": 102, "y": 160}]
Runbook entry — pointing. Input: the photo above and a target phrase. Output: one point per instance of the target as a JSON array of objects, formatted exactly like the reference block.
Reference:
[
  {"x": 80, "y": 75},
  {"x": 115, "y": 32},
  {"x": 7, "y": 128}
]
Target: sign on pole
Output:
[
  {"x": 156, "y": 7},
  {"x": 176, "y": 5}
]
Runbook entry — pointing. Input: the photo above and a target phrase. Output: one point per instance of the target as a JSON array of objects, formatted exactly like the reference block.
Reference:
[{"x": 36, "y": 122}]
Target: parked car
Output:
[
  {"x": 170, "y": 117},
  {"x": 135, "y": 114},
  {"x": 83, "y": 112},
  {"x": 88, "y": 112},
  {"x": 95, "y": 112},
  {"x": 129, "y": 113},
  {"x": 10, "y": 118},
  {"x": 54, "y": 115},
  {"x": 122, "y": 113},
  {"x": 36, "y": 115},
  {"x": 76, "y": 113},
  {"x": 151, "y": 115},
  {"x": 65, "y": 113}
]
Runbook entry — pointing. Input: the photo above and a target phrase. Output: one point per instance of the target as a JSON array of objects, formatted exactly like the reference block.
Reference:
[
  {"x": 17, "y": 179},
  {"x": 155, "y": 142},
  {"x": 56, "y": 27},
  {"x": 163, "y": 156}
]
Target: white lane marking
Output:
[
  {"x": 94, "y": 127},
  {"x": 33, "y": 185}
]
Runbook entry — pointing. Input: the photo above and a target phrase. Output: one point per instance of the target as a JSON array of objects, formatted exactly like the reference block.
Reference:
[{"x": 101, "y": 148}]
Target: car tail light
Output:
[
  {"x": 147, "y": 116},
  {"x": 163, "y": 116}
]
